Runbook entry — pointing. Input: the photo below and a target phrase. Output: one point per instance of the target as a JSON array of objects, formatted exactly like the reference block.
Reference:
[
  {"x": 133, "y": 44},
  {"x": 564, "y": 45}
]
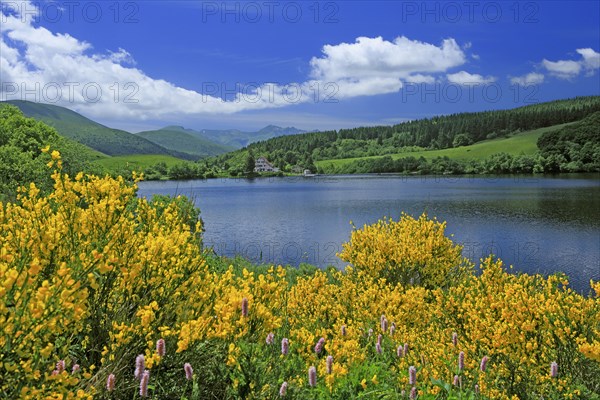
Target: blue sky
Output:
[{"x": 313, "y": 65}]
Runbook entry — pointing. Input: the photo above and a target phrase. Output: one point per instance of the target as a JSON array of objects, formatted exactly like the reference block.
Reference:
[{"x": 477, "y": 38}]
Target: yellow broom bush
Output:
[{"x": 408, "y": 251}]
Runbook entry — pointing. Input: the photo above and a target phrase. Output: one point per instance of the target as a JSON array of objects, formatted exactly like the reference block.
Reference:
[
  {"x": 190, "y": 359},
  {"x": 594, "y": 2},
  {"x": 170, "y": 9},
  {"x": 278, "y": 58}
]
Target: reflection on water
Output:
[{"x": 536, "y": 224}]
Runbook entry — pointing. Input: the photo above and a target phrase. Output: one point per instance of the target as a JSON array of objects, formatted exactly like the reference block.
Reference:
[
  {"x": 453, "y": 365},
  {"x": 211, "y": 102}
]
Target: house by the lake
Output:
[{"x": 261, "y": 164}]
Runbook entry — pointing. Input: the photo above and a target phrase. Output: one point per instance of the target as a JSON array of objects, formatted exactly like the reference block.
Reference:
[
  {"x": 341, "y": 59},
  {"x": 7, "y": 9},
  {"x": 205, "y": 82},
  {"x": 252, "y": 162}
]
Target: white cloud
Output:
[
  {"x": 419, "y": 79},
  {"x": 371, "y": 66},
  {"x": 119, "y": 57},
  {"x": 465, "y": 78},
  {"x": 375, "y": 57},
  {"x": 569, "y": 69},
  {"x": 563, "y": 69},
  {"x": 532, "y": 78},
  {"x": 33, "y": 59},
  {"x": 591, "y": 59}
]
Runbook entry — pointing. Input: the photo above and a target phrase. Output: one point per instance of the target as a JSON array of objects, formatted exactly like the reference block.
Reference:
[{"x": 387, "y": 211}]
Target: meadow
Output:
[
  {"x": 105, "y": 295},
  {"x": 517, "y": 144},
  {"x": 137, "y": 162}
]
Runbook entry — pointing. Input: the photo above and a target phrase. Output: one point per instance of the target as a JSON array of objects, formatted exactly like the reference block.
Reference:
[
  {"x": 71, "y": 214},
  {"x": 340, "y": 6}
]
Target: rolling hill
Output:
[
  {"x": 184, "y": 141},
  {"x": 136, "y": 162},
  {"x": 68, "y": 123},
  {"x": 171, "y": 140},
  {"x": 439, "y": 136},
  {"x": 523, "y": 143}
]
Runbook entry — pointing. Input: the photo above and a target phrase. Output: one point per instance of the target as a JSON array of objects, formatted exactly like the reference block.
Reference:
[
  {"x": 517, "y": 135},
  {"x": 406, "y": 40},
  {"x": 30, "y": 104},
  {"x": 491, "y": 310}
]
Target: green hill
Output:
[
  {"x": 524, "y": 143},
  {"x": 90, "y": 133},
  {"x": 136, "y": 162},
  {"x": 440, "y": 136},
  {"x": 181, "y": 140}
]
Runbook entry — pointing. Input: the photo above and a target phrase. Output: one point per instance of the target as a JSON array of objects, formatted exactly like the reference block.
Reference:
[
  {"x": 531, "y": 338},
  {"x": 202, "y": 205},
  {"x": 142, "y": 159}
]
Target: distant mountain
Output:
[
  {"x": 70, "y": 124},
  {"x": 184, "y": 141},
  {"x": 238, "y": 139}
]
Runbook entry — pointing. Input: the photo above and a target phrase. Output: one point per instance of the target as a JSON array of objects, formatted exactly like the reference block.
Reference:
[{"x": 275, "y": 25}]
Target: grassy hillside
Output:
[
  {"x": 446, "y": 135},
  {"x": 137, "y": 162},
  {"x": 75, "y": 126},
  {"x": 177, "y": 139},
  {"x": 521, "y": 143}
]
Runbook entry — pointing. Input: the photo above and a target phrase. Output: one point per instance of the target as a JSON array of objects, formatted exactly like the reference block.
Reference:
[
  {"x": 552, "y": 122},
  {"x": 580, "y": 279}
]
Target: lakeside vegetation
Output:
[
  {"x": 502, "y": 141},
  {"x": 464, "y": 158},
  {"x": 104, "y": 295},
  {"x": 573, "y": 147},
  {"x": 559, "y": 136}
]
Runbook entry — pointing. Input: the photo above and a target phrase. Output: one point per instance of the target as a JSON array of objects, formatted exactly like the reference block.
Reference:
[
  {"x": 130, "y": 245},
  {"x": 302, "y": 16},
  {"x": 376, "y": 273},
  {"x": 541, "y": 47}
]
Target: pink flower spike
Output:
[
  {"x": 60, "y": 366},
  {"x": 454, "y": 339},
  {"x": 189, "y": 371},
  {"x": 160, "y": 347},
  {"x": 400, "y": 351},
  {"x": 412, "y": 375},
  {"x": 553, "y": 369},
  {"x": 343, "y": 330},
  {"x": 329, "y": 363},
  {"x": 413, "y": 393},
  {"x": 144, "y": 384},
  {"x": 461, "y": 361},
  {"x": 285, "y": 346},
  {"x": 384, "y": 323},
  {"x": 110, "y": 383},
  {"x": 455, "y": 382},
  {"x": 319, "y": 345},
  {"x": 75, "y": 368},
  {"x": 140, "y": 366},
  {"x": 378, "y": 348},
  {"x": 283, "y": 389},
  {"x": 312, "y": 376},
  {"x": 405, "y": 349},
  {"x": 483, "y": 364},
  {"x": 270, "y": 338}
]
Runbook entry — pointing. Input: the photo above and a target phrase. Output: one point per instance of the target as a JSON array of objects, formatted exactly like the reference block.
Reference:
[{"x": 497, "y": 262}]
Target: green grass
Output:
[
  {"x": 184, "y": 142},
  {"x": 521, "y": 143},
  {"x": 68, "y": 123},
  {"x": 136, "y": 161}
]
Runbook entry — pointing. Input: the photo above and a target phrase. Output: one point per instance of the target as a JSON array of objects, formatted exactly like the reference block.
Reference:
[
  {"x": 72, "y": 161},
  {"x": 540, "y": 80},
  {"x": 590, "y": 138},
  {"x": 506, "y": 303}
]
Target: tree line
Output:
[
  {"x": 440, "y": 132},
  {"x": 572, "y": 148}
]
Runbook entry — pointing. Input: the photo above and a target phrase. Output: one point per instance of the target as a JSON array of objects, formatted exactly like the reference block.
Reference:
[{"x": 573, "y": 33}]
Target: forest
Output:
[{"x": 441, "y": 132}]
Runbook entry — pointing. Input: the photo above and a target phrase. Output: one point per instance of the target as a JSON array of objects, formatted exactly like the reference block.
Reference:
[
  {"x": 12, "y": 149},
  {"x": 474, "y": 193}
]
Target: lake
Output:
[{"x": 537, "y": 224}]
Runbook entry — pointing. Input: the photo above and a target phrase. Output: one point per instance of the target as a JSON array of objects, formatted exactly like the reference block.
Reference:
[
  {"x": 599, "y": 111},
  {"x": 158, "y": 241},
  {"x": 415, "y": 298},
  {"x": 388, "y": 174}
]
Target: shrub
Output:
[{"x": 409, "y": 251}]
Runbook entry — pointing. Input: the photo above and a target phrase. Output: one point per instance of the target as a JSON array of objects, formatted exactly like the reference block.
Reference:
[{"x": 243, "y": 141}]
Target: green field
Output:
[
  {"x": 136, "y": 162},
  {"x": 521, "y": 143}
]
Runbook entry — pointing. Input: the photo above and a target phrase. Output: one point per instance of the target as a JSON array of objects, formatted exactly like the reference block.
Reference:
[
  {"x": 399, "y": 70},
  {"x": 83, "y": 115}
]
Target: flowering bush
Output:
[
  {"x": 103, "y": 295},
  {"x": 409, "y": 251}
]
